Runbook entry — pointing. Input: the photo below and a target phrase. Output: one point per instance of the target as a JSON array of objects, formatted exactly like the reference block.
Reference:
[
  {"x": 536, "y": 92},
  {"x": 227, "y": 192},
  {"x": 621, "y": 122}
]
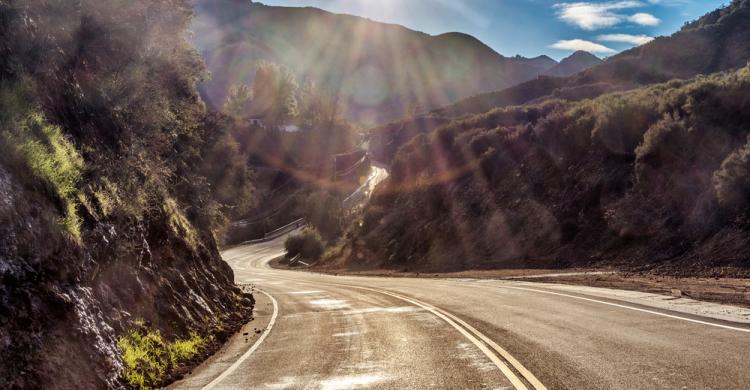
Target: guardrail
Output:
[{"x": 279, "y": 232}]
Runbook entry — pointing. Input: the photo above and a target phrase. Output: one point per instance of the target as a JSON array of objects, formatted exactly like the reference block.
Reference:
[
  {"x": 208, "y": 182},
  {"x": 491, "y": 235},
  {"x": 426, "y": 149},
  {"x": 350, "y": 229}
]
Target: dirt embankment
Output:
[
  {"x": 732, "y": 291},
  {"x": 725, "y": 290}
]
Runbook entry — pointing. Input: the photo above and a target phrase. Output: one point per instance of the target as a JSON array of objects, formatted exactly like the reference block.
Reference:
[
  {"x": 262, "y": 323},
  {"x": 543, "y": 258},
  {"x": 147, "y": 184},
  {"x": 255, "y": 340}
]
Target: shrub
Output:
[
  {"x": 308, "y": 245},
  {"x": 732, "y": 181},
  {"x": 621, "y": 121},
  {"x": 324, "y": 212},
  {"x": 148, "y": 357}
]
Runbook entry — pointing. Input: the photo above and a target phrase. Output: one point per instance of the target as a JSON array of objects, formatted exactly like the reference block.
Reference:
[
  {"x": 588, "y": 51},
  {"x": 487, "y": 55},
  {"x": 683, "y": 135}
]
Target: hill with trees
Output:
[
  {"x": 716, "y": 42},
  {"x": 643, "y": 178},
  {"x": 379, "y": 71},
  {"x": 651, "y": 179}
]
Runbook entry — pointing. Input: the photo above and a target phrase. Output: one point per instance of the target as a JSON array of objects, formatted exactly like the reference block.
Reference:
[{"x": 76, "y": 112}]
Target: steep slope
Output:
[
  {"x": 380, "y": 70},
  {"x": 718, "y": 41},
  {"x": 575, "y": 63},
  {"x": 110, "y": 272},
  {"x": 651, "y": 179}
]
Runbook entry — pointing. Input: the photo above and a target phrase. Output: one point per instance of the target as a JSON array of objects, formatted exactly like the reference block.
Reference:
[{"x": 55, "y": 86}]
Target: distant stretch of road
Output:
[{"x": 341, "y": 332}]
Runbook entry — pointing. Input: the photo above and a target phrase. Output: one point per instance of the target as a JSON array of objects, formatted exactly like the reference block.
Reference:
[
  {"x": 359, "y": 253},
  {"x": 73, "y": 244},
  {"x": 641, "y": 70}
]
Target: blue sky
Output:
[{"x": 532, "y": 27}]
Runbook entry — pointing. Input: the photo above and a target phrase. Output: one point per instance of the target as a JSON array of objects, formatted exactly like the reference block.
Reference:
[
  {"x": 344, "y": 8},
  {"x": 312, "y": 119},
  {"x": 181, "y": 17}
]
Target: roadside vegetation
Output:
[
  {"x": 288, "y": 135},
  {"x": 308, "y": 245},
  {"x": 54, "y": 162},
  {"x": 148, "y": 357}
]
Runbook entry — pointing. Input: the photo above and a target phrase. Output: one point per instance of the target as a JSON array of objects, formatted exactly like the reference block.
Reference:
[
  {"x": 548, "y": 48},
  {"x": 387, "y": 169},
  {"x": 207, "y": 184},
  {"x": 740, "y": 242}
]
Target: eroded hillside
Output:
[{"x": 108, "y": 210}]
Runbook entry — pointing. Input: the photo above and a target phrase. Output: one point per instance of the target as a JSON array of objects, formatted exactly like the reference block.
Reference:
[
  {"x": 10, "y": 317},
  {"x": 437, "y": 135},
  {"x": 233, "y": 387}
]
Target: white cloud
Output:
[
  {"x": 580, "y": 44},
  {"x": 593, "y": 16},
  {"x": 645, "y": 19},
  {"x": 626, "y": 38}
]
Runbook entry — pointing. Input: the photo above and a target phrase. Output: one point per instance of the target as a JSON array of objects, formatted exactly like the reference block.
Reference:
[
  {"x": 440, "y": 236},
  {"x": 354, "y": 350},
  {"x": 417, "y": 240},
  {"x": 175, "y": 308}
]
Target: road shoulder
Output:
[{"x": 232, "y": 350}]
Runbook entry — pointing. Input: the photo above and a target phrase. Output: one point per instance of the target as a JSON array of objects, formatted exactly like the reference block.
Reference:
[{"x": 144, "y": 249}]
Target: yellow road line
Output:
[{"x": 467, "y": 330}]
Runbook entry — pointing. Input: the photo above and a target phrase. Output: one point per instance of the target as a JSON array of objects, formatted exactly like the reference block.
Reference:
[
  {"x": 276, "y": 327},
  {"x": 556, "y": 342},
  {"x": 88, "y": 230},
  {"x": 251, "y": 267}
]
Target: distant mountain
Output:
[
  {"x": 718, "y": 41},
  {"x": 381, "y": 70},
  {"x": 575, "y": 63},
  {"x": 542, "y": 63}
]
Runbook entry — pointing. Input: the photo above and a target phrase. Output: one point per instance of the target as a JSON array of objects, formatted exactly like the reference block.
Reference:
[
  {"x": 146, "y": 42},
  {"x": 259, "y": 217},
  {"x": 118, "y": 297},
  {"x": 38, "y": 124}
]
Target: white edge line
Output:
[
  {"x": 631, "y": 308},
  {"x": 512, "y": 377},
  {"x": 252, "y": 349}
]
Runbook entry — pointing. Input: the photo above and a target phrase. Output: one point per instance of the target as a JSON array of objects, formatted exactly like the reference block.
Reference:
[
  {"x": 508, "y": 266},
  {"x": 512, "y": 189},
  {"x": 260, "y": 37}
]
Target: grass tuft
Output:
[
  {"x": 54, "y": 160},
  {"x": 148, "y": 357}
]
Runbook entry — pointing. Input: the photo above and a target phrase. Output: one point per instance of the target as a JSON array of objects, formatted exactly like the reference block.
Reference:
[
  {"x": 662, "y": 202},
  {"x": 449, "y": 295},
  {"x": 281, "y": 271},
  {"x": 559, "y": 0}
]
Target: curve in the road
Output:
[
  {"x": 474, "y": 336},
  {"x": 252, "y": 349}
]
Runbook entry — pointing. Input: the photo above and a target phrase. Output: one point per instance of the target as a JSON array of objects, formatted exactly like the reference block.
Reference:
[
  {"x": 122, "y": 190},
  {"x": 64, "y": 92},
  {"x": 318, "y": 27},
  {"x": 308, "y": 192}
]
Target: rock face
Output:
[
  {"x": 379, "y": 70},
  {"x": 103, "y": 222},
  {"x": 575, "y": 63},
  {"x": 63, "y": 304}
]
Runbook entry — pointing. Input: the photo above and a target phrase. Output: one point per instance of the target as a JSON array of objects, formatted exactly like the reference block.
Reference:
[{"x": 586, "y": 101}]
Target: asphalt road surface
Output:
[{"x": 341, "y": 332}]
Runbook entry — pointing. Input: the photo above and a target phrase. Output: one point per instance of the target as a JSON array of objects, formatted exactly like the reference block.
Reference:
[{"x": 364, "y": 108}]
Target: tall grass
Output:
[{"x": 53, "y": 160}]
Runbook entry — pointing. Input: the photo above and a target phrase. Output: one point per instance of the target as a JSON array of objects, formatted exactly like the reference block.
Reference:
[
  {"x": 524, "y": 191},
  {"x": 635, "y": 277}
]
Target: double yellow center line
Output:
[{"x": 482, "y": 342}]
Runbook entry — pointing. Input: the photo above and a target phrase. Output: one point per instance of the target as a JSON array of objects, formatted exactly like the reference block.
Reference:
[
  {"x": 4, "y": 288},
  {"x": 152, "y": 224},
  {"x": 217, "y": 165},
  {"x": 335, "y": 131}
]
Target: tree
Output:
[
  {"x": 238, "y": 102},
  {"x": 274, "y": 92}
]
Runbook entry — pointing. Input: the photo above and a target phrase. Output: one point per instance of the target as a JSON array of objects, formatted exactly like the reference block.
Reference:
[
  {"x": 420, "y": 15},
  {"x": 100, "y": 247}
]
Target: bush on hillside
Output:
[
  {"x": 324, "y": 212},
  {"x": 732, "y": 181},
  {"x": 308, "y": 245},
  {"x": 647, "y": 175}
]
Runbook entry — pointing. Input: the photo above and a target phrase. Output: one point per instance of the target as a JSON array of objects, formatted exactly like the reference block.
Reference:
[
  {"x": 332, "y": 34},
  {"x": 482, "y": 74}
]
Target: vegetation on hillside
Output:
[
  {"x": 147, "y": 357},
  {"x": 116, "y": 183},
  {"x": 308, "y": 245},
  {"x": 289, "y": 137},
  {"x": 716, "y": 42},
  {"x": 656, "y": 177}
]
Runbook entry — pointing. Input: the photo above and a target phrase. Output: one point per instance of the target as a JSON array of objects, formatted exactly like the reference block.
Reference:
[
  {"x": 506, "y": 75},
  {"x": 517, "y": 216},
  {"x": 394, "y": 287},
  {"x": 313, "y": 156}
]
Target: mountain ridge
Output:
[
  {"x": 715, "y": 42},
  {"x": 574, "y": 63},
  {"x": 318, "y": 45}
]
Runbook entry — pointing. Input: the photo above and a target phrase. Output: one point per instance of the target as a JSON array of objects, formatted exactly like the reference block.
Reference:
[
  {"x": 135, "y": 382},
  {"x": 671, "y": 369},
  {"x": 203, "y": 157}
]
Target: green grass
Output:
[
  {"x": 179, "y": 223},
  {"x": 148, "y": 357},
  {"x": 54, "y": 160}
]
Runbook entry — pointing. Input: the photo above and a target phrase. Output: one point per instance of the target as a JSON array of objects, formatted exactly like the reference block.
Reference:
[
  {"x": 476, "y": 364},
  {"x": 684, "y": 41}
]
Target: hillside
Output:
[
  {"x": 381, "y": 71},
  {"x": 716, "y": 42},
  {"x": 115, "y": 183},
  {"x": 651, "y": 179},
  {"x": 575, "y": 63}
]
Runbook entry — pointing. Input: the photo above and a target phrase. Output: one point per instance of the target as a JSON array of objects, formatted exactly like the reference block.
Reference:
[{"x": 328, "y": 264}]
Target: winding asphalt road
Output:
[{"x": 340, "y": 332}]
